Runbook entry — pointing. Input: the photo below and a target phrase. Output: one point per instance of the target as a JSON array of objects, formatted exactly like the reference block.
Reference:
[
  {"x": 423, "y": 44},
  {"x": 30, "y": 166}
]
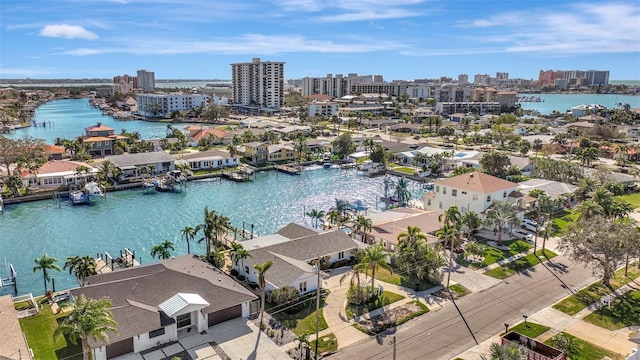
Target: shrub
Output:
[
  {"x": 284, "y": 295},
  {"x": 361, "y": 295}
]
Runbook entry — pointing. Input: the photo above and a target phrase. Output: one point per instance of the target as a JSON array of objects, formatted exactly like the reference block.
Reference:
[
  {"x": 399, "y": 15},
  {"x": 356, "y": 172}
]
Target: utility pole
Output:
[
  {"x": 393, "y": 343},
  {"x": 317, "y": 306}
]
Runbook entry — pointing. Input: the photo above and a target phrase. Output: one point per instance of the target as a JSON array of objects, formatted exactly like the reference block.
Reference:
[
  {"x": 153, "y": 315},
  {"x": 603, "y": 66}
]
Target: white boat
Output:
[{"x": 93, "y": 189}]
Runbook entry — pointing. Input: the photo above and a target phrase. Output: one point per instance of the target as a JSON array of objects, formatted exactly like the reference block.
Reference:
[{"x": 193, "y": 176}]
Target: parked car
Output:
[
  {"x": 529, "y": 227},
  {"x": 524, "y": 235},
  {"x": 530, "y": 222}
]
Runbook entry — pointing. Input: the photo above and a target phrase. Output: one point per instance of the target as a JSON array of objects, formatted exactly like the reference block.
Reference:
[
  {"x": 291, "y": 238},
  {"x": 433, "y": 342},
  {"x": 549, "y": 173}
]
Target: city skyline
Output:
[{"x": 401, "y": 40}]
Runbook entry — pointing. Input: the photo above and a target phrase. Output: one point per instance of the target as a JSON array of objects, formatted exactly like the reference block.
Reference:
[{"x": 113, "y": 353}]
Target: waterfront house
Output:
[
  {"x": 212, "y": 159},
  {"x": 55, "y": 152},
  {"x": 13, "y": 344},
  {"x": 281, "y": 153},
  {"x": 255, "y": 152},
  {"x": 102, "y": 139},
  {"x": 292, "y": 250},
  {"x": 554, "y": 189},
  {"x": 475, "y": 191},
  {"x": 55, "y": 173},
  {"x": 387, "y": 225},
  {"x": 213, "y": 136},
  {"x": 162, "y": 302},
  {"x": 134, "y": 165}
]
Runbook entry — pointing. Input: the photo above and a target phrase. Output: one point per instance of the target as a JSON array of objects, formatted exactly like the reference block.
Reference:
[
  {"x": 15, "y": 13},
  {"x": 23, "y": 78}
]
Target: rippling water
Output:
[{"x": 137, "y": 220}]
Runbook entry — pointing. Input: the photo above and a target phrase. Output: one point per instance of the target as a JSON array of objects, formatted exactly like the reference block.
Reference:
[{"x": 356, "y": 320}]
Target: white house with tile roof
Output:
[{"x": 475, "y": 191}]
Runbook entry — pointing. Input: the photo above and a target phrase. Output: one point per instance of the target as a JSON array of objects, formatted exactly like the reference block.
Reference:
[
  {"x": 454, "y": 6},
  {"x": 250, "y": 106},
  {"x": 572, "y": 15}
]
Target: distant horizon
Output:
[
  {"x": 400, "y": 39},
  {"x": 202, "y": 79}
]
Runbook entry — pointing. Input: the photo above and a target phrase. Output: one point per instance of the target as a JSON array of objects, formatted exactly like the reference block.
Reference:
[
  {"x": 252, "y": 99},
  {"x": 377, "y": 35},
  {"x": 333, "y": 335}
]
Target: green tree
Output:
[
  {"x": 402, "y": 192},
  {"x": 189, "y": 233},
  {"x": 316, "y": 215},
  {"x": 362, "y": 223},
  {"x": 44, "y": 264},
  {"x": 374, "y": 257},
  {"x": 501, "y": 215},
  {"x": 89, "y": 318},
  {"x": 81, "y": 267},
  {"x": 472, "y": 221},
  {"x": 163, "y": 250},
  {"x": 261, "y": 269},
  {"x": 238, "y": 254},
  {"x": 343, "y": 145},
  {"x": 508, "y": 351},
  {"x": 496, "y": 164}
]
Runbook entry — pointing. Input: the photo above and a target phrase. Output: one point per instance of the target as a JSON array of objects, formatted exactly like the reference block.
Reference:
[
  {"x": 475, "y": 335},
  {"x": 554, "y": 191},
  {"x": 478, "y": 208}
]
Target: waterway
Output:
[{"x": 564, "y": 102}]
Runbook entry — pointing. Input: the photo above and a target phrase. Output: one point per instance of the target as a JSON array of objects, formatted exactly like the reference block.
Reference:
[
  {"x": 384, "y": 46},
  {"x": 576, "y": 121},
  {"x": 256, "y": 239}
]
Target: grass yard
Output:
[
  {"x": 304, "y": 321},
  {"x": 625, "y": 311},
  {"x": 519, "y": 265},
  {"x": 385, "y": 299},
  {"x": 633, "y": 199},
  {"x": 327, "y": 344},
  {"x": 562, "y": 221},
  {"x": 594, "y": 292},
  {"x": 459, "y": 290},
  {"x": 583, "y": 350},
  {"x": 531, "y": 330},
  {"x": 39, "y": 332},
  {"x": 405, "y": 170},
  {"x": 493, "y": 255},
  {"x": 406, "y": 280}
]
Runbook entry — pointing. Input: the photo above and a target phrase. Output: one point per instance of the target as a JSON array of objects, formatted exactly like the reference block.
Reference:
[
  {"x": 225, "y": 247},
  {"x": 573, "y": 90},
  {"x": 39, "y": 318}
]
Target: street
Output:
[{"x": 443, "y": 334}]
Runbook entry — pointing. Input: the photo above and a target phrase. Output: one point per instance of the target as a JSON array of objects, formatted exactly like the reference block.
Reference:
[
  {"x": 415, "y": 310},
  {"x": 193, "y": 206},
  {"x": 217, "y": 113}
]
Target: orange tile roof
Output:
[
  {"x": 205, "y": 132},
  {"x": 55, "y": 166},
  {"x": 98, "y": 127},
  {"x": 478, "y": 182},
  {"x": 97, "y": 138},
  {"x": 55, "y": 149}
]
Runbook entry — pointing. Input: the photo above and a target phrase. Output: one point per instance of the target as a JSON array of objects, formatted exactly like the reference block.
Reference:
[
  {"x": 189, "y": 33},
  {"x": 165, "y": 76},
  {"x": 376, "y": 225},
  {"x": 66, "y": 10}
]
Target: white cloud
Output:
[
  {"x": 67, "y": 31},
  {"x": 354, "y": 10},
  {"x": 24, "y": 72}
]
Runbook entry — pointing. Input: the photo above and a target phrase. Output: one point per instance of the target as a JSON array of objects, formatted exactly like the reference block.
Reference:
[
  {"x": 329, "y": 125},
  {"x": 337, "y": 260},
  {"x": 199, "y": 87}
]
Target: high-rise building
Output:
[
  {"x": 502, "y": 75},
  {"x": 147, "y": 80},
  {"x": 463, "y": 78},
  {"x": 124, "y": 84},
  {"x": 258, "y": 83},
  {"x": 549, "y": 77}
]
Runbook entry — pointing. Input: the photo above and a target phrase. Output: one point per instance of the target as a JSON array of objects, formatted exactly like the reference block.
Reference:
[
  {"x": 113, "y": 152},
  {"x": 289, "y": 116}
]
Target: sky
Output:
[{"x": 399, "y": 39}]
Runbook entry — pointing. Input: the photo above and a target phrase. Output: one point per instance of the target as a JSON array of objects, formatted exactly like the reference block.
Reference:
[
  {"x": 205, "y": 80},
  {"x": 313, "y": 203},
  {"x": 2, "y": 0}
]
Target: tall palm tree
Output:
[
  {"x": 89, "y": 319},
  {"x": 261, "y": 269},
  {"x": 82, "y": 267},
  {"x": 238, "y": 254},
  {"x": 163, "y": 250},
  {"x": 374, "y": 257},
  {"x": 451, "y": 217},
  {"x": 44, "y": 264},
  {"x": 189, "y": 233},
  {"x": 509, "y": 351},
  {"x": 450, "y": 237},
  {"x": 412, "y": 235},
  {"x": 402, "y": 192},
  {"x": 362, "y": 223},
  {"x": 472, "y": 221},
  {"x": 315, "y": 215},
  {"x": 588, "y": 209},
  {"x": 500, "y": 215}
]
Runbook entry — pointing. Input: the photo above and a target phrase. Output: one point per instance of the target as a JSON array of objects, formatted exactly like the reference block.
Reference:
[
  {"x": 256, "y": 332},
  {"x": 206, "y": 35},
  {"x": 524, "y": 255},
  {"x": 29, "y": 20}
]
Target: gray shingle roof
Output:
[{"x": 140, "y": 159}]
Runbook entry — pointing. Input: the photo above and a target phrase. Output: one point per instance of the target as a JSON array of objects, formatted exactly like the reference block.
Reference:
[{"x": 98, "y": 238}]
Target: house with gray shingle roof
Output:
[
  {"x": 159, "y": 303},
  {"x": 131, "y": 164},
  {"x": 292, "y": 250}
]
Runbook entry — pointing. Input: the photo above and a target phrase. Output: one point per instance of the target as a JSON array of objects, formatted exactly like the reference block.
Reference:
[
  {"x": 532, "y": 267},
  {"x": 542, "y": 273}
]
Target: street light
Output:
[
  {"x": 506, "y": 328},
  {"x": 525, "y": 320}
]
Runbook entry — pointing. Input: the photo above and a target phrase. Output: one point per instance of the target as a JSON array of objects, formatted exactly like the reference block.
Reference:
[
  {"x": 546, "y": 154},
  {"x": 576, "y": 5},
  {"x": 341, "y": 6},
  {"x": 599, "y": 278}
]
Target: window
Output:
[
  {"x": 303, "y": 286},
  {"x": 504, "y": 194},
  {"x": 156, "y": 333},
  {"x": 183, "y": 320},
  {"x": 488, "y": 198},
  {"x": 341, "y": 255},
  {"x": 454, "y": 193},
  {"x": 428, "y": 202},
  {"x": 475, "y": 197},
  {"x": 444, "y": 190},
  {"x": 437, "y": 189},
  {"x": 440, "y": 205}
]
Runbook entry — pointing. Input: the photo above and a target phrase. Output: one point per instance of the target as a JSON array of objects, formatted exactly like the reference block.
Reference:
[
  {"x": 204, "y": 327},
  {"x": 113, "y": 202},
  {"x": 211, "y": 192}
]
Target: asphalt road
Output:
[{"x": 442, "y": 334}]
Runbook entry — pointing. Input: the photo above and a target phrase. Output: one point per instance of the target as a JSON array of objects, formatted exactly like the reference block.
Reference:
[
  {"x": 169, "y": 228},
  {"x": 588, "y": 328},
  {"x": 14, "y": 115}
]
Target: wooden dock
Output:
[
  {"x": 289, "y": 169},
  {"x": 237, "y": 175}
]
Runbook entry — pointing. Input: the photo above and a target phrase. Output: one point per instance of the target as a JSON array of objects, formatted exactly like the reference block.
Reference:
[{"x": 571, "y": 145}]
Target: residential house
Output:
[
  {"x": 101, "y": 139},
  {"x": 55, "y": 173},
  {"x": 132, "y": 165},
  {"x": 211, "y": 135},
  {"x": 255, "y": 152},
  {"x": 475, "y": 191},
  {"x": 387, "y": 225},
  {"x": 14, "y": 344},
  {"x": 55, "y": 152},
  {"x": 212, "y": 159},
  {"x": 281, "y": 153},
  {"x": 162, "y": 302},
  {"x": 532, "y": 349},
  {"x": 554, "y": 189},
  {"x": 292, "y": 250}
]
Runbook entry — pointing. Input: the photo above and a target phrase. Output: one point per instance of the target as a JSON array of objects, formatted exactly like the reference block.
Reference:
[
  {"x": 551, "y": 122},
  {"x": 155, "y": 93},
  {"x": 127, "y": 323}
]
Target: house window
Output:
[
  {"x": 183, "y": 320},
  {"x": 504, "y": 194},
  {"x": 341, "y": 255},
  {"x": 475, "y": 197},
  {"x": 428, "y": 202},
  {"x": 444, "y": 190},
  {"x": 303, "y": 286},
  {"x": 437, "y": 189},
  {"x": 454, "y": 193},
  {"x": 156, "y": 333},
  {"x": 440, "y": 205},
  {"x": 488, "y": 198}
]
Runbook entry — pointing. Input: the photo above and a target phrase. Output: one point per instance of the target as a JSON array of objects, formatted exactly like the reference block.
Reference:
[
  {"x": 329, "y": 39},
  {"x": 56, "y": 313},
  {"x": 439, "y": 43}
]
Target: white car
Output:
[
  {"x": 530, "y": 222},
  {"x": 522, "y": 234},
  {"x": 529, "y": 227}
]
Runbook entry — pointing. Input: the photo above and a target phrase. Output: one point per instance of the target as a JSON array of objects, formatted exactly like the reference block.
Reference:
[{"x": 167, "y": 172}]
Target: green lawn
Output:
[
  {"x": 304, "y": 321},
  {"x": 327, "y": 344},
  {"x": 531, "y": 330},
  {"x": 519, "y": 265},
  {"x": 594, "y": 292},
  {"x": 406, "y": 280},
  {"x": 404, "y": 170},
  {"x": 459, "y": 290},
  {"x": 39, "y": 332},
  {"x": 633, "y": 199},
  {"x": 562, "y": 220},
  {"x": 584, "y": 350},
  {"x": 625, "y": 311},
  {"x": 385, "y": 299},
  {"x": 493, "y": 255}
]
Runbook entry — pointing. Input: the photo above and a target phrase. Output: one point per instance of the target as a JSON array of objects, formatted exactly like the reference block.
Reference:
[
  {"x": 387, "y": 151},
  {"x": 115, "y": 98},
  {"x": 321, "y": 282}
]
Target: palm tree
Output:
[
  {"x": 412, "y": 235},
  {"x": 472, "y": 221},
  {"x": 162, "y": 251},
  {"x": 508, "y": 351},
  {"x": 500, "y": 215},
  {"x": 238, "y": 254},
  {"x": 188, "y": 234},
  {"x": 588, "y": 209},
  {"x": 46, "y": 263},
  {"x": 402, "y": 192},
  {"x": 315, "y": 215},
  {"x": 374, "y": 257},
  {"x": 450, "y": 237},
  {"x": 261, "y": 269},
  {"x": 363, "y": 224},
  {"x": 82, "y": 267},
  {"x": 89, "y": 319},
  {"x": 451, "y": 217}
]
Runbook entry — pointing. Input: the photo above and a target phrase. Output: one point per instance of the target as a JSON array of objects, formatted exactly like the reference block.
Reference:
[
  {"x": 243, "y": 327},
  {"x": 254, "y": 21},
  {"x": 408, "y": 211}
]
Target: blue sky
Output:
[{"x": 399, "y": 39}]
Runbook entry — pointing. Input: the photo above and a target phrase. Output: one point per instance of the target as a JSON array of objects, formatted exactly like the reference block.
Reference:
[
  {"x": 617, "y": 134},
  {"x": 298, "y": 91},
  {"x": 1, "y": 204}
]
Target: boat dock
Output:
[
  {"x": 240, "y": 175},
  {"x": 106, "y": 263},
  {"x": 289, "y": 169}
]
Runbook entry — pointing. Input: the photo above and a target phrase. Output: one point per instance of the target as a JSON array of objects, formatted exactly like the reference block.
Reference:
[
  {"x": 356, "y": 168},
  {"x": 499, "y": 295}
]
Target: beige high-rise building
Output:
[
  {"x": 147, "y": 80},
  {"x": 258, "y": 84}
]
